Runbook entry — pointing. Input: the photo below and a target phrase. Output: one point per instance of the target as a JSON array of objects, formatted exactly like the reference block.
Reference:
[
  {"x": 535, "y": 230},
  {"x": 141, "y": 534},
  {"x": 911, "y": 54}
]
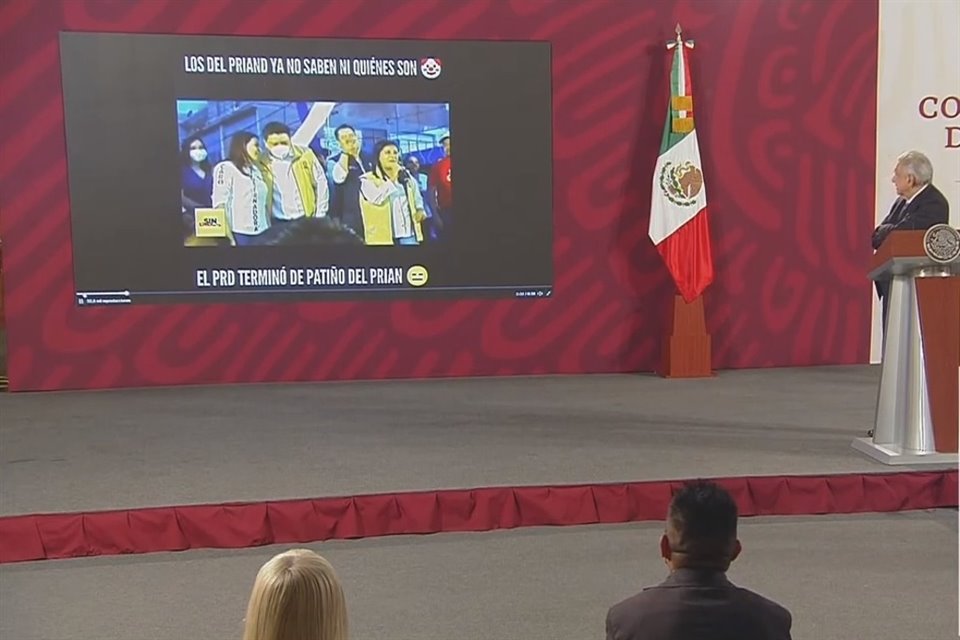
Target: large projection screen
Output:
[{"x": 218, "y": 169}]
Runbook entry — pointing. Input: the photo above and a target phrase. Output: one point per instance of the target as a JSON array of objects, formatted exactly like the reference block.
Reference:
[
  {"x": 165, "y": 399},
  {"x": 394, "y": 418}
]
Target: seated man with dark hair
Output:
[
  {"x": 309, "y": 231},
  {"x": 697, "y": 602}
]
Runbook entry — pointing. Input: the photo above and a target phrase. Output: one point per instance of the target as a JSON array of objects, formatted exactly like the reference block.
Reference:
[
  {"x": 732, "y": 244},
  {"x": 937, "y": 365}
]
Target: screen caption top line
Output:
[{"x": 429, "y": 67}]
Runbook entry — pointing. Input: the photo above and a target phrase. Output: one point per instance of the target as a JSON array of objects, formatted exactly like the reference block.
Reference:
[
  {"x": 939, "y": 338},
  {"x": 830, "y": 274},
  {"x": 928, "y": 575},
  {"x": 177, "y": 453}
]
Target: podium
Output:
[{"x": 918, "y": 403}]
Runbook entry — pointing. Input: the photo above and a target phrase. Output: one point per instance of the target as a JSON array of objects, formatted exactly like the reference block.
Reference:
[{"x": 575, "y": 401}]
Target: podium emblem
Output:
[{"x": 941, "y": 243}]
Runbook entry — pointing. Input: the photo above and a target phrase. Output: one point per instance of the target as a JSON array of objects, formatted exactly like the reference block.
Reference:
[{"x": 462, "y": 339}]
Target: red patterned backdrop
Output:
[{"x": 786, "y": 93}]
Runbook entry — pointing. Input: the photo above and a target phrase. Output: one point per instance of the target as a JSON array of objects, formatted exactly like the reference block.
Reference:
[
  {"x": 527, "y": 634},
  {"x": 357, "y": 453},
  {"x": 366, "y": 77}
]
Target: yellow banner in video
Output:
[{"x": 210, "y": 223}]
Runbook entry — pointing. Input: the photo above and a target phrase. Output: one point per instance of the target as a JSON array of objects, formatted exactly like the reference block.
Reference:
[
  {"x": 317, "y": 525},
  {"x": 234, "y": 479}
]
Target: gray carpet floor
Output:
[
  {"x": 152, "y": 447},
  {"x": 864, "y": 577}
]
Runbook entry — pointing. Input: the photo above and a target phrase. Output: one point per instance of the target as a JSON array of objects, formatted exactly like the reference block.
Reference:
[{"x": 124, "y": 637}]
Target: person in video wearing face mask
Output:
[
  {"x": 299, "y": 183},
  {"x": 390, "y": 200},
  {"x": 196, "y": 180},
  {"x": 345, "y": 171},
  {"x": 242, "y": 189}
]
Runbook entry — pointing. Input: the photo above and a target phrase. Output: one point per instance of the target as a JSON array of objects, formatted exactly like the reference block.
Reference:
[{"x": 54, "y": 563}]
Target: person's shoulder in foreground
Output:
[
  {"x": 688, "y": 607},
  {"x": 697, "y": 601}
]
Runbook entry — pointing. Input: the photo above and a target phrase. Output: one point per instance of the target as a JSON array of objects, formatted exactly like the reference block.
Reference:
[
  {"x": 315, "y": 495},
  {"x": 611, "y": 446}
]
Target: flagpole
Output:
[{"x": 686, "y": 347}]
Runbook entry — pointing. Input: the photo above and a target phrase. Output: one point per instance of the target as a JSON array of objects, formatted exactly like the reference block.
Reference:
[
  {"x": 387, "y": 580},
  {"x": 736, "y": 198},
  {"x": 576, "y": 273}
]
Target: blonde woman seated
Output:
[
  {"x": 390, "y": 200},
  {"x": 296, "y": 596}
]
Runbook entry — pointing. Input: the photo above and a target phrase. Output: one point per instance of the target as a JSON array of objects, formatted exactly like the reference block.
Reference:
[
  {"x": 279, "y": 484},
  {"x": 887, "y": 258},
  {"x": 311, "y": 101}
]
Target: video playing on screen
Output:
[
  {"x": 381, "y": 171},
  {"x": 278, "y": 168}
]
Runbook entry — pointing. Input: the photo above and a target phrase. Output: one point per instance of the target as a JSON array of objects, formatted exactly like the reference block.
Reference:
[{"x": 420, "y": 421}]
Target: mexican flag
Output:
[{"x": 678, "y": 208}]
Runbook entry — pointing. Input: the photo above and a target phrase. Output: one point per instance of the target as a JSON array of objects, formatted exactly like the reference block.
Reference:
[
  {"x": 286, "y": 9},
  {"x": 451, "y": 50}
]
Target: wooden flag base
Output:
[{"x": 686, "y": 346}]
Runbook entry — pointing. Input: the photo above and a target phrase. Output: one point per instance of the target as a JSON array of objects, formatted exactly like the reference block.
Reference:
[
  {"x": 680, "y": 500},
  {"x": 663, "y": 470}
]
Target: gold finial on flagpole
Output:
[{"x": 680, "y": 41}]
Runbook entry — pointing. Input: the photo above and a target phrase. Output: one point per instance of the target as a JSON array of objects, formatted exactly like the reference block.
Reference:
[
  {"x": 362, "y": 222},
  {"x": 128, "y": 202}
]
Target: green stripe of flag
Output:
[{"x": 669, "y": 137}]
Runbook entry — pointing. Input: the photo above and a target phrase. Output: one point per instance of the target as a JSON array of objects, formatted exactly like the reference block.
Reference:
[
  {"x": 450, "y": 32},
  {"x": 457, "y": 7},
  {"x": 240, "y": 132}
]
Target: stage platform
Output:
[{"x": 617, "y": 438}]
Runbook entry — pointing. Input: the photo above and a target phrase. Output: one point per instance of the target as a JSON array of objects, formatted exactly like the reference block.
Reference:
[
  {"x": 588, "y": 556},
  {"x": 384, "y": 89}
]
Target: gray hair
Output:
[{"x": 917, "y": 165}]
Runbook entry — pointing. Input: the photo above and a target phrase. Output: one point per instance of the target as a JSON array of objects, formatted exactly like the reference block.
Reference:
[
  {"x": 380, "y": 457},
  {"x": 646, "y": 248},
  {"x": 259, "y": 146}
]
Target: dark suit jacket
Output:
[
  {"x": 694, "y": 604},
  {"x": 928, "y": 208},
  {"x": 345, "y": 197}
]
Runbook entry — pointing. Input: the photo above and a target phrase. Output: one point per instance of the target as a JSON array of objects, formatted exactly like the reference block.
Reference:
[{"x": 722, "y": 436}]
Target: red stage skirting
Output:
[{"x": 232, "y": 526}]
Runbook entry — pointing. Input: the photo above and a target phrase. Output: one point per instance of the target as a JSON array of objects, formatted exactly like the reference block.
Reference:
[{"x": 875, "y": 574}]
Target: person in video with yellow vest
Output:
[
  {"x": 300, "y": 187},
  {"x": 390, "y": 200}
]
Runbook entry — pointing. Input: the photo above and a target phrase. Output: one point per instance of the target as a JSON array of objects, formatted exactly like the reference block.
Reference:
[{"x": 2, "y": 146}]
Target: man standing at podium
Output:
[{"x": 920, "y": 205}]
